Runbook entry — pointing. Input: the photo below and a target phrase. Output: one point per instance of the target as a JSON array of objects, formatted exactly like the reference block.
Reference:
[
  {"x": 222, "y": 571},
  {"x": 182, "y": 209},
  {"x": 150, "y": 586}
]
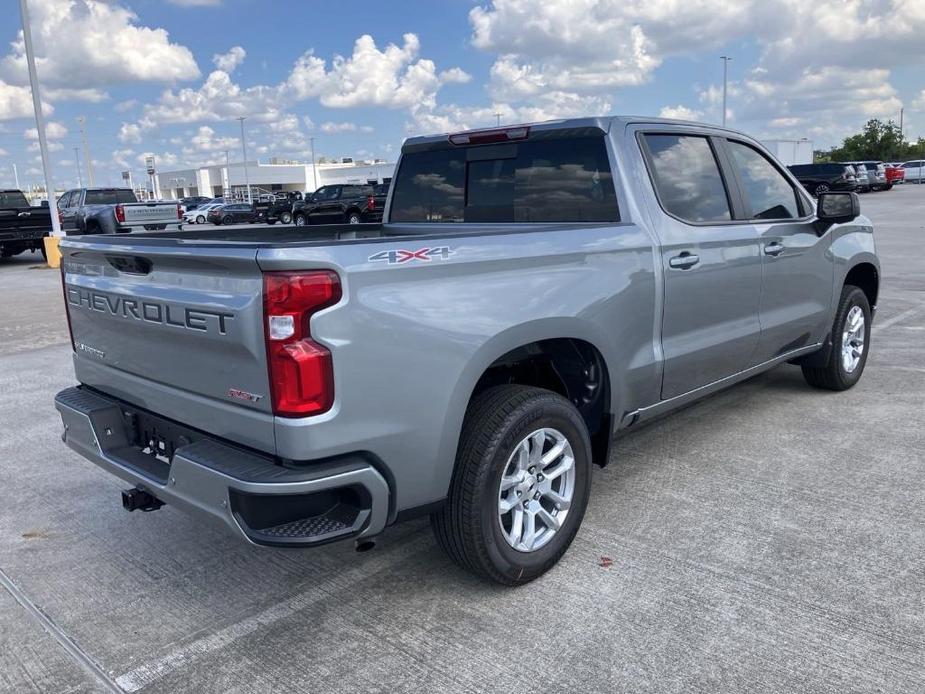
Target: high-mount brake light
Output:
[
  {"x": 301, "y": 370},
  {"x": 484, "y": 137}
]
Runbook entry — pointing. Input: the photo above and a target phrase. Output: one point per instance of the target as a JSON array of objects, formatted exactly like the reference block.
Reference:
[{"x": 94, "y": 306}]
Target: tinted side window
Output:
[
  {"x": 554, "y": 180},
  {"x": 768, "y": 194},
  {"x": 687, "y": 177}
]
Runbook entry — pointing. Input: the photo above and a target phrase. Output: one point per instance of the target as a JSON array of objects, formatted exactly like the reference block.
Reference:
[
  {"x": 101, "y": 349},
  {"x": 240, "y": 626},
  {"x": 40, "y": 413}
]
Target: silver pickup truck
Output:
[{"x": 533, "y": 292}]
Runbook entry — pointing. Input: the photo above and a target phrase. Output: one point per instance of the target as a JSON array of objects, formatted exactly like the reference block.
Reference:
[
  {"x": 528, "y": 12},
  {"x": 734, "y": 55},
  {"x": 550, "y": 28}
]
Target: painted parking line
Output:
[{"x": 898, "y": 318}]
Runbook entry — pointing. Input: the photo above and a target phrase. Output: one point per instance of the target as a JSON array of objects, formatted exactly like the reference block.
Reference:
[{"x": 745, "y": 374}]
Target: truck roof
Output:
[{"x": 602, "y": 123}]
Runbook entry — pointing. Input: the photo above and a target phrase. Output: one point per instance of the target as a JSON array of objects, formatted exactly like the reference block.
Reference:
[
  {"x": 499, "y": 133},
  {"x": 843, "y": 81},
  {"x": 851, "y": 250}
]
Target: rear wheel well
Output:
[
  {"x": 574, "y": 369},
  {"x": 865, "y": 277}
]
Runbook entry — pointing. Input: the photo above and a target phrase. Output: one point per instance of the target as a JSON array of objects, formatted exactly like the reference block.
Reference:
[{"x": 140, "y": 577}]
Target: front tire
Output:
[
  {"x": 520, "y": 486},
  {"x": 850, "y": 344},
  {"x": 821, "y": 188},
  {"x": 200, "y": 220}
]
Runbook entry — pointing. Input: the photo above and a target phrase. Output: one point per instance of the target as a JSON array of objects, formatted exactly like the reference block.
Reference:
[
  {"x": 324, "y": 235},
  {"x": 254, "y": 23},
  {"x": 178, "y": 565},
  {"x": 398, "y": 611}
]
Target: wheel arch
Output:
[
  {"x": 544, "y": 353},
  {"x": 866, "y": 276}
]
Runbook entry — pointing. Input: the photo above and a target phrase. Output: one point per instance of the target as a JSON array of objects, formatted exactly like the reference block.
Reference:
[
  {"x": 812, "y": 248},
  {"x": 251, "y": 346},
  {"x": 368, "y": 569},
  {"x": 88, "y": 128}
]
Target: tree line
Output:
[{"x": 878, "y": 141}]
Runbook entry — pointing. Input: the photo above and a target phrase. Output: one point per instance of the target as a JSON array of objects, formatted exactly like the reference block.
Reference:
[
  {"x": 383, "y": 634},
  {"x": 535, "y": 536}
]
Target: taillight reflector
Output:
[{"x": 301, "y": 370}]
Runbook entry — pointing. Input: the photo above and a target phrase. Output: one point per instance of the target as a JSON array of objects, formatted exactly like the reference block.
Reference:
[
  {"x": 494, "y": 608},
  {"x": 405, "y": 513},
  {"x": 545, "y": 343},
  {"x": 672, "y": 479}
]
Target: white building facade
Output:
[{"x": 215, "y": 181}]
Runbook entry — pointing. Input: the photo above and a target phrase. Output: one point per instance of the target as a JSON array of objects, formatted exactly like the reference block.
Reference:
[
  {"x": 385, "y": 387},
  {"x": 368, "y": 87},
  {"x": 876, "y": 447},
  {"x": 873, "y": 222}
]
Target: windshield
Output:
[
  {"x": 13, "y": 198},
  {"x": 544, "y": 180},
  {"x": 109, "y": 197}
]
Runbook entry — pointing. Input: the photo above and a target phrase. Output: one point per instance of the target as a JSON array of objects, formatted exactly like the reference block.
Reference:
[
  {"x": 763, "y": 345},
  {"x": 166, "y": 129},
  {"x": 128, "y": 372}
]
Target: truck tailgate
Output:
[
  {"x": 19, "y": 222},
  {"x": 139, "y": 214},
  {"x": 174, "y": 332}
]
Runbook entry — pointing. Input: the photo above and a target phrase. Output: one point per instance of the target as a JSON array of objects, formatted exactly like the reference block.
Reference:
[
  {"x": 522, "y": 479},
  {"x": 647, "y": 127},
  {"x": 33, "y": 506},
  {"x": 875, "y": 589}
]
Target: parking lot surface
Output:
[{"x": 768, "y": 539}]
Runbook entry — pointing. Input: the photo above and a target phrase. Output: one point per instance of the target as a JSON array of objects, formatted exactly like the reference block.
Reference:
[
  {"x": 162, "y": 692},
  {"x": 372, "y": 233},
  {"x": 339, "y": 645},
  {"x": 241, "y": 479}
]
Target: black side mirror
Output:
[{"x": 838, "y": 208}]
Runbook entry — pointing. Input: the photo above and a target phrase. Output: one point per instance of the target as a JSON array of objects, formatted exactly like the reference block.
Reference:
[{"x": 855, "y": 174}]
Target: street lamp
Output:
[
  {"x": 39, "y": 116},
  {"x": 314, "y": 169},
  {"x": 244, "y": 154},
  {"x": 725, "y": 59}
]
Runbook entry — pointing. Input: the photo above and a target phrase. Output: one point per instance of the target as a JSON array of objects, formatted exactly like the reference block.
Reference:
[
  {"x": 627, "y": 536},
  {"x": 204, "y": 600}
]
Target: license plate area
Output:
[{"x": 156, "y": 437}]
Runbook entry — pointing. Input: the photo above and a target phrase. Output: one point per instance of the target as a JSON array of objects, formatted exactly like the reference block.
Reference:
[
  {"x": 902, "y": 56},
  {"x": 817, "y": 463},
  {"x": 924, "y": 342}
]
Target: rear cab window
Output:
[
  {"x": 109, "y": 197},
  {"x": 548, "y": 179}
]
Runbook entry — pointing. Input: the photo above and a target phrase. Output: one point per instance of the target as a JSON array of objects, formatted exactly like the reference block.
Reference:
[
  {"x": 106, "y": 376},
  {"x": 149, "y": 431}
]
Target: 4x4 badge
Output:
[{"x": 397, "y": 257}]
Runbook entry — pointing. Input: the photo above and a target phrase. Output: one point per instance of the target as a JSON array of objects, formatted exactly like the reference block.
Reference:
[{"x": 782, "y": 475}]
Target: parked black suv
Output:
[
  {"x": 341, "y": 204},
  {"x": 821, "y": 178}
]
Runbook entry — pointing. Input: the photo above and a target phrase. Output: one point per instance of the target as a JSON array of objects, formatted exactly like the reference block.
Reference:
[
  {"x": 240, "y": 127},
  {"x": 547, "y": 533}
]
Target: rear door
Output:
[
  {"x": 328, "y": 209},
  {"x": 711, "y": 262}
]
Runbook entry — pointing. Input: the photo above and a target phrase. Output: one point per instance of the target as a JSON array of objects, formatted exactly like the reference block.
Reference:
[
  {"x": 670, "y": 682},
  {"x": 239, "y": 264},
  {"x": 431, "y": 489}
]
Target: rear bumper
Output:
[{"x": 255, "y": 498}]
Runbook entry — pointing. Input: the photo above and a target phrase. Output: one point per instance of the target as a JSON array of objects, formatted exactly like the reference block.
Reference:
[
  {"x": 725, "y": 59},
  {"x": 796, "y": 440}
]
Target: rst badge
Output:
[{"x": 400, "y": 256}]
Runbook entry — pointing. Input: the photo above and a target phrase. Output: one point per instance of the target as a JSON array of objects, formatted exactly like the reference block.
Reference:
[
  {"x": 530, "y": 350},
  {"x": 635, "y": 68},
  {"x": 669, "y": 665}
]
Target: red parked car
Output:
[{"x": 894, "y": 174}]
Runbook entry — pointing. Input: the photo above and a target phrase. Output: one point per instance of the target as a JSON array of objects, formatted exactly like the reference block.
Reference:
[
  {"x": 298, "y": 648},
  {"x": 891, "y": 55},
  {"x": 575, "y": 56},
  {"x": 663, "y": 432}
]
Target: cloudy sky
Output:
[{"x": 170, "y": 77}]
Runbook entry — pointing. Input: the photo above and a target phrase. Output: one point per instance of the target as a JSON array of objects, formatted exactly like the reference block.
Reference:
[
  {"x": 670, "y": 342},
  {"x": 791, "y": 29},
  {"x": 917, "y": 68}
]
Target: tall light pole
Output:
[
  {"x": 83, "y": 138},
  {"x": 16, "y": 176},
  {"x": 80, "y": 181},
  {"x": 725, "y": 59},
  {"x": 498, "y": 116},
  {"x": 39, "y": 116},
  {"x": 311, "y": 141},
  {"x": 244, "y": 154}
]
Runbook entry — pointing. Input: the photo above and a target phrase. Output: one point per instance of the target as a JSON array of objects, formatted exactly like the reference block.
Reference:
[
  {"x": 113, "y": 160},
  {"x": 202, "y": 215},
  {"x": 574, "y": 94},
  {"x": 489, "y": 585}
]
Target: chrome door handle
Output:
[
  {"x": 774, "y": 248},
  {"x": 685, "y": 261}
]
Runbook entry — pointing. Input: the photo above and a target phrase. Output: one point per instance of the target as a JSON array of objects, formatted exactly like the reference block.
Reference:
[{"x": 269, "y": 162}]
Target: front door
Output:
[
  {"x": 797, "y": 276},
  {"x": 711, "y": 264}
]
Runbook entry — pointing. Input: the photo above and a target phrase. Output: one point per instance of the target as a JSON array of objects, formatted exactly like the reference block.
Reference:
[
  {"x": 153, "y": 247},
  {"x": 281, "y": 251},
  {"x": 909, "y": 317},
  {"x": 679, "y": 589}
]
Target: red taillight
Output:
[
  {"x": 179, "y": 213},
  {"x": 484, "y": 137},
  {"x": 301, "y": 370},
  {"x": 370, "y": 203},
  {"x": 67, "y": 309},
  {"x": 120, "y": 214}
]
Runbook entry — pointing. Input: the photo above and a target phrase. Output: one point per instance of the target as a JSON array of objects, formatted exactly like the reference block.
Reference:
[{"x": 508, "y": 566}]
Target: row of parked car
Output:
[
  {"x": 333, "y": 204},
  {"x": 860, "y": 176}
]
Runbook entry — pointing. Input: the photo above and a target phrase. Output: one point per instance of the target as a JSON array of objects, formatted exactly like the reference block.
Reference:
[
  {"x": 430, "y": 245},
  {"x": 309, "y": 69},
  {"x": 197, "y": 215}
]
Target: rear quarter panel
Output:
[{"x": 411, "y": 340}]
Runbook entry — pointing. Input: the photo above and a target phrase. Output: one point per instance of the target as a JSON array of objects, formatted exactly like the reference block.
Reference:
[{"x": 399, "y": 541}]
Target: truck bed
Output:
[{"x": 321, "y": 235}]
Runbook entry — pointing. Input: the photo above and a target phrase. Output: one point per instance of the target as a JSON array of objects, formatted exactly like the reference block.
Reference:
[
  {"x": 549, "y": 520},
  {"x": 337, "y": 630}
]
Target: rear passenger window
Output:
[
  {"x": 767, "y": 193},
  {"x": 543, "y": 180},
  {"x": 687, "y": 178}
]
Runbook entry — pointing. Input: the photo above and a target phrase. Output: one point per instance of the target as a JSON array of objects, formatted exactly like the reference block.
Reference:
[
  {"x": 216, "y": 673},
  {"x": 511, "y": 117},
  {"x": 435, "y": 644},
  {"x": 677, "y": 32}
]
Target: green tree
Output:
[{"x": 881, "y": 141}]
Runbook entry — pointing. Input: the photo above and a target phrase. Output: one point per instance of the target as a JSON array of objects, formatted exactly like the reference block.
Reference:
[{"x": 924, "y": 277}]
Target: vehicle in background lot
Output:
[
  {"x": 914, "y": 170},
  {"x": 473, "y": 355},
  {"x": 876, "y": 174},
  {"x": 280, "y": 209},
  {"x": 894, "y": 174},
  {"x": 22, "y": 226},
  {"x": 235, "y": 213},
  {"x": 825, "y": 177},
  {"x": 862, "y": 177},
  {"x": 191, "y": 203},
  {"x": 113, "y": 211},
  {"x": 340, "y": 204},
  {"x": 199, "y": 214}
]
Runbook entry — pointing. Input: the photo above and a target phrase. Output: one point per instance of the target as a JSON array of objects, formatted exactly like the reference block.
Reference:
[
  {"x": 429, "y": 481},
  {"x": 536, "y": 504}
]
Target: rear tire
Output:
[
  {"x": 285, "y": 218},
  {"x": 821, "y": 188},
  {"x": 200, "y": 219},
  {"x": 300, "y": 220},
  {"x": 850, "y": 344},
  {"x": 507, "y": 433},
  {"x": 354, "y": 218}
]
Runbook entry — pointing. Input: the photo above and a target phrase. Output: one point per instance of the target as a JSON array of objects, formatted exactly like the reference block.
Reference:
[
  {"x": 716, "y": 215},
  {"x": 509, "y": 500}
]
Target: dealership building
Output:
[{"x": 273, "y": 176}]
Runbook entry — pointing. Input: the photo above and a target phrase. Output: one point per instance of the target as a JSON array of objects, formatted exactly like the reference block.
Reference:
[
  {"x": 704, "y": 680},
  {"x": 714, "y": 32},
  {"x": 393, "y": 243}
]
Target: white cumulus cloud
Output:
[{"x": 230, "y": 60}]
